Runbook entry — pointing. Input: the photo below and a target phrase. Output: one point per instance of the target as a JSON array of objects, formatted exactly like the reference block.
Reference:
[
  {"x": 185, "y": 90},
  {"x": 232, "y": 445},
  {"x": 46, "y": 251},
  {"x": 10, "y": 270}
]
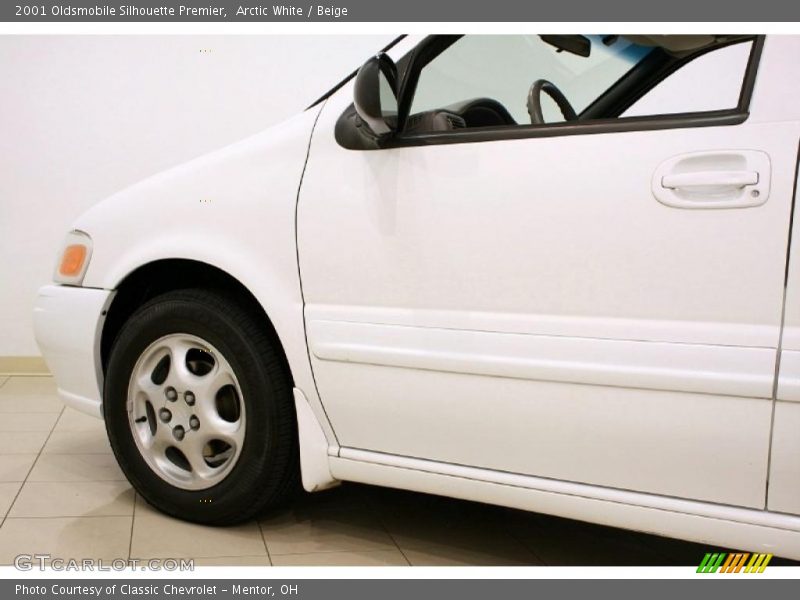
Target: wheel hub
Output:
[
  {"x": 186, "y": 411},
  {"x": 178, "y": 413}
]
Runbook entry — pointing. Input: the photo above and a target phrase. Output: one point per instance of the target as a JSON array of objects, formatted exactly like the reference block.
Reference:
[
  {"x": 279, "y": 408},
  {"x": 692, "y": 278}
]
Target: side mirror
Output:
[{"x": 375, "y": 94}]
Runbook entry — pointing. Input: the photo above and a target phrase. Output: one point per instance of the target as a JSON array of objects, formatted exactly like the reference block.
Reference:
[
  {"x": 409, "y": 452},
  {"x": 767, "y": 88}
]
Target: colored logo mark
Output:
[{"x": 738, "y": 562}]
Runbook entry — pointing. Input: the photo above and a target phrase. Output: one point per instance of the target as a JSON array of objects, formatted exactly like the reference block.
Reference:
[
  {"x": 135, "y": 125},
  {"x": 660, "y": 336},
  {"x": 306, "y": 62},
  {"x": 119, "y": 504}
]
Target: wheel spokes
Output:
[{"x": 186, "y": 411}]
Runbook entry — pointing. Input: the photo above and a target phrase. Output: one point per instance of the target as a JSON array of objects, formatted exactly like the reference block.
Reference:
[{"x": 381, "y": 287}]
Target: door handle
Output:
[
  {"x": 713, "y": 179},
  {"x": 737, "y": 179}
]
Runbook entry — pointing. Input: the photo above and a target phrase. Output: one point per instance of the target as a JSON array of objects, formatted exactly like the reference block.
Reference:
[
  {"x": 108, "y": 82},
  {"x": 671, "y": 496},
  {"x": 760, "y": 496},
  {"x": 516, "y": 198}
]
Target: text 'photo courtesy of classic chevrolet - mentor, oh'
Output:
[{"x": 549, "y": 272}]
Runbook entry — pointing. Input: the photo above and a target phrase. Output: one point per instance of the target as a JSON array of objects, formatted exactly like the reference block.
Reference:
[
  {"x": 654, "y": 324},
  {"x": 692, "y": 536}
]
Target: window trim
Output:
[
  {"x": 666, "y": 70},
  {"x": 717, "y": 118},
  {"x": 625, "y": 124}
]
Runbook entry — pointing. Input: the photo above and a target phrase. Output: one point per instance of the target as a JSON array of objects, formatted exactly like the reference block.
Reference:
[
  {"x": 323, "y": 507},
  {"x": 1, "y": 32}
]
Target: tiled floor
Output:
[{"x": 61, "y": 493}]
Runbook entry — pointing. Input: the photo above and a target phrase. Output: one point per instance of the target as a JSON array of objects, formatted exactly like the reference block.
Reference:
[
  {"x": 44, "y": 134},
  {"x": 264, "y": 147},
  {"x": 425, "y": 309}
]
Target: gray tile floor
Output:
[{"x": 62, "y": 493}]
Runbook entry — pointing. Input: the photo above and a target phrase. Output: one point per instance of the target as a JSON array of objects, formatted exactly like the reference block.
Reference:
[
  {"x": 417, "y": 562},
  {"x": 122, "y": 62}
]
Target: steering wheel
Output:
[{"x": 535, "y": 101}]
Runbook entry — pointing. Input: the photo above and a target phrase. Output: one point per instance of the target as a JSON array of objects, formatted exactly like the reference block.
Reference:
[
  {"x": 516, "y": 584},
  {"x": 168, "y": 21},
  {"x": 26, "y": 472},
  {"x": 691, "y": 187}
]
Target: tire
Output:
[{"x": 253, "y": 413}]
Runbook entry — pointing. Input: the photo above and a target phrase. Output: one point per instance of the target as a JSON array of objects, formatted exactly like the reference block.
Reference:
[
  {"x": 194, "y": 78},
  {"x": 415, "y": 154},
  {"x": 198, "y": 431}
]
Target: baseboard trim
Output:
[{"x": 23, "y": 365}]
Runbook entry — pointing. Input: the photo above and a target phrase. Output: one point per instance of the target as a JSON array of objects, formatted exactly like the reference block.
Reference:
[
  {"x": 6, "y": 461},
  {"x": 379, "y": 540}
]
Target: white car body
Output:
[{"x": 631, "y": 365}]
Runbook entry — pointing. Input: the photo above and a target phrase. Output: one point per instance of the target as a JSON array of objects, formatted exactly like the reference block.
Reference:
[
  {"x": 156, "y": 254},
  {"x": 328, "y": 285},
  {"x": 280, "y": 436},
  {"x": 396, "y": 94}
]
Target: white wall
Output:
[{"x": 84, "y": 116}]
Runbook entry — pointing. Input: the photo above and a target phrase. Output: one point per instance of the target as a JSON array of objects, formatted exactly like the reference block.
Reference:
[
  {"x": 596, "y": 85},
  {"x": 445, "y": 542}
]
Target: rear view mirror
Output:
[
  {"x": 574, "y": 44},
  {"x": 375, "y": 94}
]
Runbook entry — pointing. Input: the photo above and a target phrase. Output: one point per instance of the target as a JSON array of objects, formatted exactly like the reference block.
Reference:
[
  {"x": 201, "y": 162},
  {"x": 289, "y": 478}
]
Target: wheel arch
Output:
[
  {"x": 315, "y": 437},
  {"x": 165, "y": 275}
]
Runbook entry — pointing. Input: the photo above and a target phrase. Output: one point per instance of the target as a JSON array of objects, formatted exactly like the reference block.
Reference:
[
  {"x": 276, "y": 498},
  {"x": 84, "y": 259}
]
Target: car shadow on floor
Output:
[{"x": 425, "y": 529}]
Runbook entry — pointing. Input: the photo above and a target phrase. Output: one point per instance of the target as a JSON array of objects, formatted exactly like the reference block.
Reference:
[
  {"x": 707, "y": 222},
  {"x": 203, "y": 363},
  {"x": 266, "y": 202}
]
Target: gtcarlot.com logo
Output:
[
  {"x": 29, "y": 562},
  {"x": 738, "y": 562}
]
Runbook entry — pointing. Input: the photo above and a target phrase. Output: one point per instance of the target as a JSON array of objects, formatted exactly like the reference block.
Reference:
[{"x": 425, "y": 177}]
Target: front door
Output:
[{"x": 597, "y": 301}]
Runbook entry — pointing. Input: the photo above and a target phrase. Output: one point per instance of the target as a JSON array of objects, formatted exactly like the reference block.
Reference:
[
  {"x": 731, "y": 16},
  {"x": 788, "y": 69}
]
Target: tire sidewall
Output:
[{"x": 167, "y": 316}]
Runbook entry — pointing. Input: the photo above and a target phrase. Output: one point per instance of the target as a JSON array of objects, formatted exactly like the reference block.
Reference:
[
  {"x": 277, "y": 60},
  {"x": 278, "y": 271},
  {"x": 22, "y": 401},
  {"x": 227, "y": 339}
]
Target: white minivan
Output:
[{"x": 550, "y": 272}]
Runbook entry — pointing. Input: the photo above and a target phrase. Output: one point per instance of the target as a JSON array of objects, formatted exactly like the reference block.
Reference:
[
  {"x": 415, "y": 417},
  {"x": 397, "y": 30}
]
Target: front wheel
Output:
[{"x": 198, "y": 408}]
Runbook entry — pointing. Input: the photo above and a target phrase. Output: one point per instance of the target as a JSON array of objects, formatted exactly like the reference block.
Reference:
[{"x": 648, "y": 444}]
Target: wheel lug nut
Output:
[
  {"x": 189, "y": 397},
  {"x": 194, "y": 422},
  {"x": 165, "y": 415},
  {"x": 178, "y": 432},
  {"x": 171, "y": 394}
]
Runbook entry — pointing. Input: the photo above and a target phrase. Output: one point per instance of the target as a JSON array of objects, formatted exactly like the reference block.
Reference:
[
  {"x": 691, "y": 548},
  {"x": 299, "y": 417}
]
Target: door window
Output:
[
  {"x": 487, "y": 79},
  {"x": 712, "y": 81}
]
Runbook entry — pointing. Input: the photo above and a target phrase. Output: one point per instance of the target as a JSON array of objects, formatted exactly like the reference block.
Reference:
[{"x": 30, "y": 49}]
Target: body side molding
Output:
[{"x": 703, "y": 368}]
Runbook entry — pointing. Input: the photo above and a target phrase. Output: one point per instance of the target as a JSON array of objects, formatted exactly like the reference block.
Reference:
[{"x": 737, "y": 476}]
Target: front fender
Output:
[{"x": 233, "y": 209}]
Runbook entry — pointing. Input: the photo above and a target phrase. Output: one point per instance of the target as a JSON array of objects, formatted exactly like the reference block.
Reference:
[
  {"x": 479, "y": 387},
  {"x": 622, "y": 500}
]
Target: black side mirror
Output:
[{"x": 375, "y": 95}]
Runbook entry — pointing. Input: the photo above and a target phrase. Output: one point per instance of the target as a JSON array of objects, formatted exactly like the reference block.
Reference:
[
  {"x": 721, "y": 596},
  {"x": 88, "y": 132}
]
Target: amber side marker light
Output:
[{"x": 72, "y": 260}]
